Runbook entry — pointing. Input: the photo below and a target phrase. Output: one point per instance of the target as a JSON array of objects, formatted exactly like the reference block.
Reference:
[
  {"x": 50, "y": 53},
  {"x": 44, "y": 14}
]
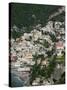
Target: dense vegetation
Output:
[
  {"x": 29, "y": 14},
  {"x": 26, "y": 16},
  {"x": 45, "y": 72}
]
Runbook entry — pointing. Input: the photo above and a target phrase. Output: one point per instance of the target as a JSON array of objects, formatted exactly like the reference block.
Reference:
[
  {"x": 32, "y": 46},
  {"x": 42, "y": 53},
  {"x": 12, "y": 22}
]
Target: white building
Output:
[
  {"x": 50, "y": 25},
  {"x": 25, "y": 69},
  {"x": 59, "y": 48},
  {"x": 57, "y": 25},
  {"x": 36, "y": 34}
]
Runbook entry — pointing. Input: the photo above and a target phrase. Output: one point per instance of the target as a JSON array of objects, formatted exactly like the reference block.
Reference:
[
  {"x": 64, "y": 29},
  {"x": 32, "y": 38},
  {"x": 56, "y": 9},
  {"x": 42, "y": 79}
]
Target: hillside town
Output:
[{"x": 33, "y": 54}]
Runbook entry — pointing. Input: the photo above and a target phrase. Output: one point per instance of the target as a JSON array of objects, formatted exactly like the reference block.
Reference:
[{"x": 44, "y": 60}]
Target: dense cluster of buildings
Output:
[{"x": 25, "y": 47}]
